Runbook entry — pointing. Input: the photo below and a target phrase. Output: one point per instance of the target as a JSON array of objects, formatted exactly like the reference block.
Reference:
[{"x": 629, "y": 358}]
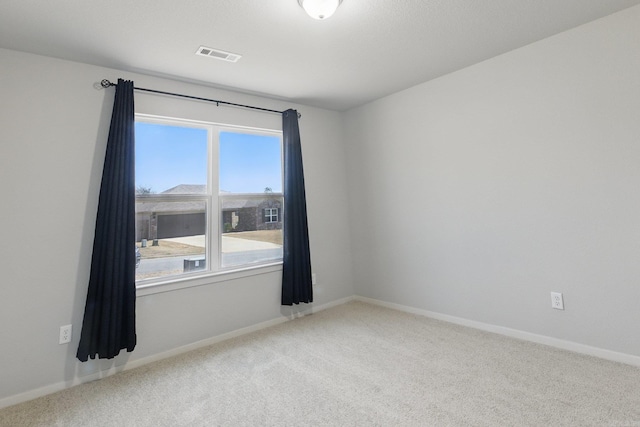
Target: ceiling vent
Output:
[{"x": 218, "y": 54}]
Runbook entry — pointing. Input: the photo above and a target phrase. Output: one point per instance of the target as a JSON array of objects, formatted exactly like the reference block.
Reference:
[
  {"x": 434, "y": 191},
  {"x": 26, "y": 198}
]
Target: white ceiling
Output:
[{"x": 368, "y": 49}]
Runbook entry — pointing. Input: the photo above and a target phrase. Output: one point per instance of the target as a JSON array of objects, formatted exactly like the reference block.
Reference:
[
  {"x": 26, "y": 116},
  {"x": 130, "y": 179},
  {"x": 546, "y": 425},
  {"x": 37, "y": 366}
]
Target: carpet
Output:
[{"x": 354, "y": 365}]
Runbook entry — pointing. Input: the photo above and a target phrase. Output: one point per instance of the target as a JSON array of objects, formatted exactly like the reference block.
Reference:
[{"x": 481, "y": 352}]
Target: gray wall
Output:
[
  {"x": 476, "y": 194},
  {"x": 53, "y": 130}
]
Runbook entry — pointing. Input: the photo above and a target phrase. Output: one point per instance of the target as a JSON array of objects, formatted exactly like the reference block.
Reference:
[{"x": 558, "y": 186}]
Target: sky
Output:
[{"x": 167, "y": 156}]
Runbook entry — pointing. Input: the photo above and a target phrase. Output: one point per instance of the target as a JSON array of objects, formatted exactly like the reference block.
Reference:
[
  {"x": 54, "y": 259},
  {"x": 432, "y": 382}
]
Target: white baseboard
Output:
[
  {"x": 628, "y": 359},
  {"x": 297, "y": 311},
  {"x": 306, "y": 310}
]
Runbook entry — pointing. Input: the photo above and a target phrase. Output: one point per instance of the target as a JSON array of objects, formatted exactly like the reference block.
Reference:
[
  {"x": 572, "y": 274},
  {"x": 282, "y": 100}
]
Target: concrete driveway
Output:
[{"x": 229, "y": 244}]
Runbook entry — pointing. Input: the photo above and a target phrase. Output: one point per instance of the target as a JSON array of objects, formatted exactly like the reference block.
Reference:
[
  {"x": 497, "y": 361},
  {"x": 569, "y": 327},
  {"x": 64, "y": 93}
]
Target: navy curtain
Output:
[
  {"x": 109, "y": 316},
  {"x": 296, "y": 259}
]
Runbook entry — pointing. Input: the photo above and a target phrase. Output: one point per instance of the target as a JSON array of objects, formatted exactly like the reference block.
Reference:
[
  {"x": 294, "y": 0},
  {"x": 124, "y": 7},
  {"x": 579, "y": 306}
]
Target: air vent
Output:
[{"x": 218, "y": 54}]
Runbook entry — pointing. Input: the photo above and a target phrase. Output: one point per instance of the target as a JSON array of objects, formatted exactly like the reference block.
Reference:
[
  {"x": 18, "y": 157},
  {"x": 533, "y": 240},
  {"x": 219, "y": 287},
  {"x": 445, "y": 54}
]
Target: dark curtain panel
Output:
[
  {"x": 109, "y": 315},
  {"x": 296, "y": 268}
]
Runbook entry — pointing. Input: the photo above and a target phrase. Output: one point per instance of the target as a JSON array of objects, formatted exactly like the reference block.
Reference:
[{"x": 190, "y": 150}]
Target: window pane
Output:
[
  {"x": 170, "y": 236},
  {"x": 183, "y": 188},
  {"x": 170, "y": 159},
  {"x": 249, "y": 235},
  {"x": 250, "y": 163}
]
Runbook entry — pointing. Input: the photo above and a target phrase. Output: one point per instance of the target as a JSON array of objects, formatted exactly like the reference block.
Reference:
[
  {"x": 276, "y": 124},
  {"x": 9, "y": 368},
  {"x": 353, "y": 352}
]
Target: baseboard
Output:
[
  {"x": 527, "y": 336},
  {"x": 297, "y": 311},
  {"x": 513, "y": 333}
]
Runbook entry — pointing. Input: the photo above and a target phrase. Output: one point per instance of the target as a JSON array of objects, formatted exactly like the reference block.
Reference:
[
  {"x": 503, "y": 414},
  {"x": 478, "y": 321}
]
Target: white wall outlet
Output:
[
  {"x": 314, "y": 279},
  {"x": 557, "y": 301},
  {"x": 65, "y": 334}
]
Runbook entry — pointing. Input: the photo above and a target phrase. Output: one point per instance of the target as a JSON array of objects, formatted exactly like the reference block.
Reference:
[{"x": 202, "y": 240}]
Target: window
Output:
[
  {"x": 271, "y": 215},
  {"x": 208, "y": 197}
]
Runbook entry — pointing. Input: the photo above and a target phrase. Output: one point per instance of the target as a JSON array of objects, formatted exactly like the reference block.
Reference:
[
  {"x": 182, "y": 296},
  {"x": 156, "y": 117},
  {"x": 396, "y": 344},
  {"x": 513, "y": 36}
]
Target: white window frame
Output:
[
  {"x": 213, "y": 200},
  {"x": 270, "y": 215}
]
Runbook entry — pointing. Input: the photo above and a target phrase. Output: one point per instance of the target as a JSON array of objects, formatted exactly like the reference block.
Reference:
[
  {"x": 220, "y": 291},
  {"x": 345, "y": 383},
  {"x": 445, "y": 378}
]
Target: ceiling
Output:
[{"x": 368, "y": 49}]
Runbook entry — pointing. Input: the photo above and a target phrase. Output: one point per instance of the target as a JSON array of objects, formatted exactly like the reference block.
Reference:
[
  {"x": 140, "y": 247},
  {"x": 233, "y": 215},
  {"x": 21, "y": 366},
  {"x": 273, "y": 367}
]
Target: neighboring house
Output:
[
  {"x": 255, "y": 213},
  {"x": 159, "y": 218}
]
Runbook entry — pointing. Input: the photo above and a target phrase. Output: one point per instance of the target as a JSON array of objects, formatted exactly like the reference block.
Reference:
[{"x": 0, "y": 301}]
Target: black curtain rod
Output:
[{"x": 106, "y": 83}]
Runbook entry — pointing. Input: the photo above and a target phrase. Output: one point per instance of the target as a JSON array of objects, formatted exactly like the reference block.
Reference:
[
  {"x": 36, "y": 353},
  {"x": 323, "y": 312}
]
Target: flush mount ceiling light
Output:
[{"x": 319, "y": 9}]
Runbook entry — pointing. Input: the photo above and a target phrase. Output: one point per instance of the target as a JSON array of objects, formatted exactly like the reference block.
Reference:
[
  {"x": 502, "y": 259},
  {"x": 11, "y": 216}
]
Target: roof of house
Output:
[
  {"x": 236, "y": 203},
  {"x": 193, "y": 206},
  {"x": 187, "y": 189}
]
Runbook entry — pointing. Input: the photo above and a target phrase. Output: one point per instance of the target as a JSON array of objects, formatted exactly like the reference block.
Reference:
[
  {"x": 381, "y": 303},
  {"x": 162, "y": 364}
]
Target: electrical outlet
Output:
[
  {"x": 65, "y": 334},
  {"x": 556, "y": 301},
  {"x": 314, "y": 279}
]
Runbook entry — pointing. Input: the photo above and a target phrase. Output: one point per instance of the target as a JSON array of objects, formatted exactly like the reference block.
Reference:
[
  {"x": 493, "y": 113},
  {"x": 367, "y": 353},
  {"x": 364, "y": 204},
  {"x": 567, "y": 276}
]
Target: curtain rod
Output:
[{"x": 106, "y": 83}]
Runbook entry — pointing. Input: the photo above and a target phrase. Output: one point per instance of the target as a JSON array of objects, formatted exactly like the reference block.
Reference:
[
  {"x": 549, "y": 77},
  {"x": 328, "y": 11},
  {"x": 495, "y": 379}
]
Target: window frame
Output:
[
  {"x": 214, "y": 271},
  {"x": 270, "y": 215}
]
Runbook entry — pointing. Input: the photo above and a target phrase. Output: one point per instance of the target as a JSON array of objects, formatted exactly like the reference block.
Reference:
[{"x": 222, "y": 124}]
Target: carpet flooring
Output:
[{"x": 354, "y": 365}]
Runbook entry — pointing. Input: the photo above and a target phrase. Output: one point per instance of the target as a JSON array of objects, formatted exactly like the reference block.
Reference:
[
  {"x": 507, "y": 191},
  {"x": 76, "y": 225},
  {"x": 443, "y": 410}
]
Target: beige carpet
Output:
[{"x": 354, "y": 365}]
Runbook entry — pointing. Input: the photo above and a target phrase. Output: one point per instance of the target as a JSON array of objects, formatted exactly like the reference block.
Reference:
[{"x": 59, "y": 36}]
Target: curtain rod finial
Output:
[{"x": 106, "y": 83}]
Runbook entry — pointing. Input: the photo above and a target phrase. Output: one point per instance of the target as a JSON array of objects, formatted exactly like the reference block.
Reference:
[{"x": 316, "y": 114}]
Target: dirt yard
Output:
[{"x": 166, "y": 249}]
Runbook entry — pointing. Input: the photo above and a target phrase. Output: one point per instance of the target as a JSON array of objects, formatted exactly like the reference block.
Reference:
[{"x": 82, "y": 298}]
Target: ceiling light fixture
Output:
[{"x": 319, "y": 9}]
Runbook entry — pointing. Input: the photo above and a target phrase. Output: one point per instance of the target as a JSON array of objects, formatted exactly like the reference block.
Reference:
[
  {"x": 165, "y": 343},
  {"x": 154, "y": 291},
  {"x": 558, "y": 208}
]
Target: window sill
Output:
[{"x": 174, "y": 284}]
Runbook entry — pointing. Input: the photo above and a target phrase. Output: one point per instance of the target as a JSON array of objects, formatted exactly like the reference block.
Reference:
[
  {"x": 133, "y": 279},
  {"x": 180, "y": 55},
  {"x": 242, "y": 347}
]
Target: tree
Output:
[
  {"x": 268, "y": 190},
  {"x": 144, "y": 190}
]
